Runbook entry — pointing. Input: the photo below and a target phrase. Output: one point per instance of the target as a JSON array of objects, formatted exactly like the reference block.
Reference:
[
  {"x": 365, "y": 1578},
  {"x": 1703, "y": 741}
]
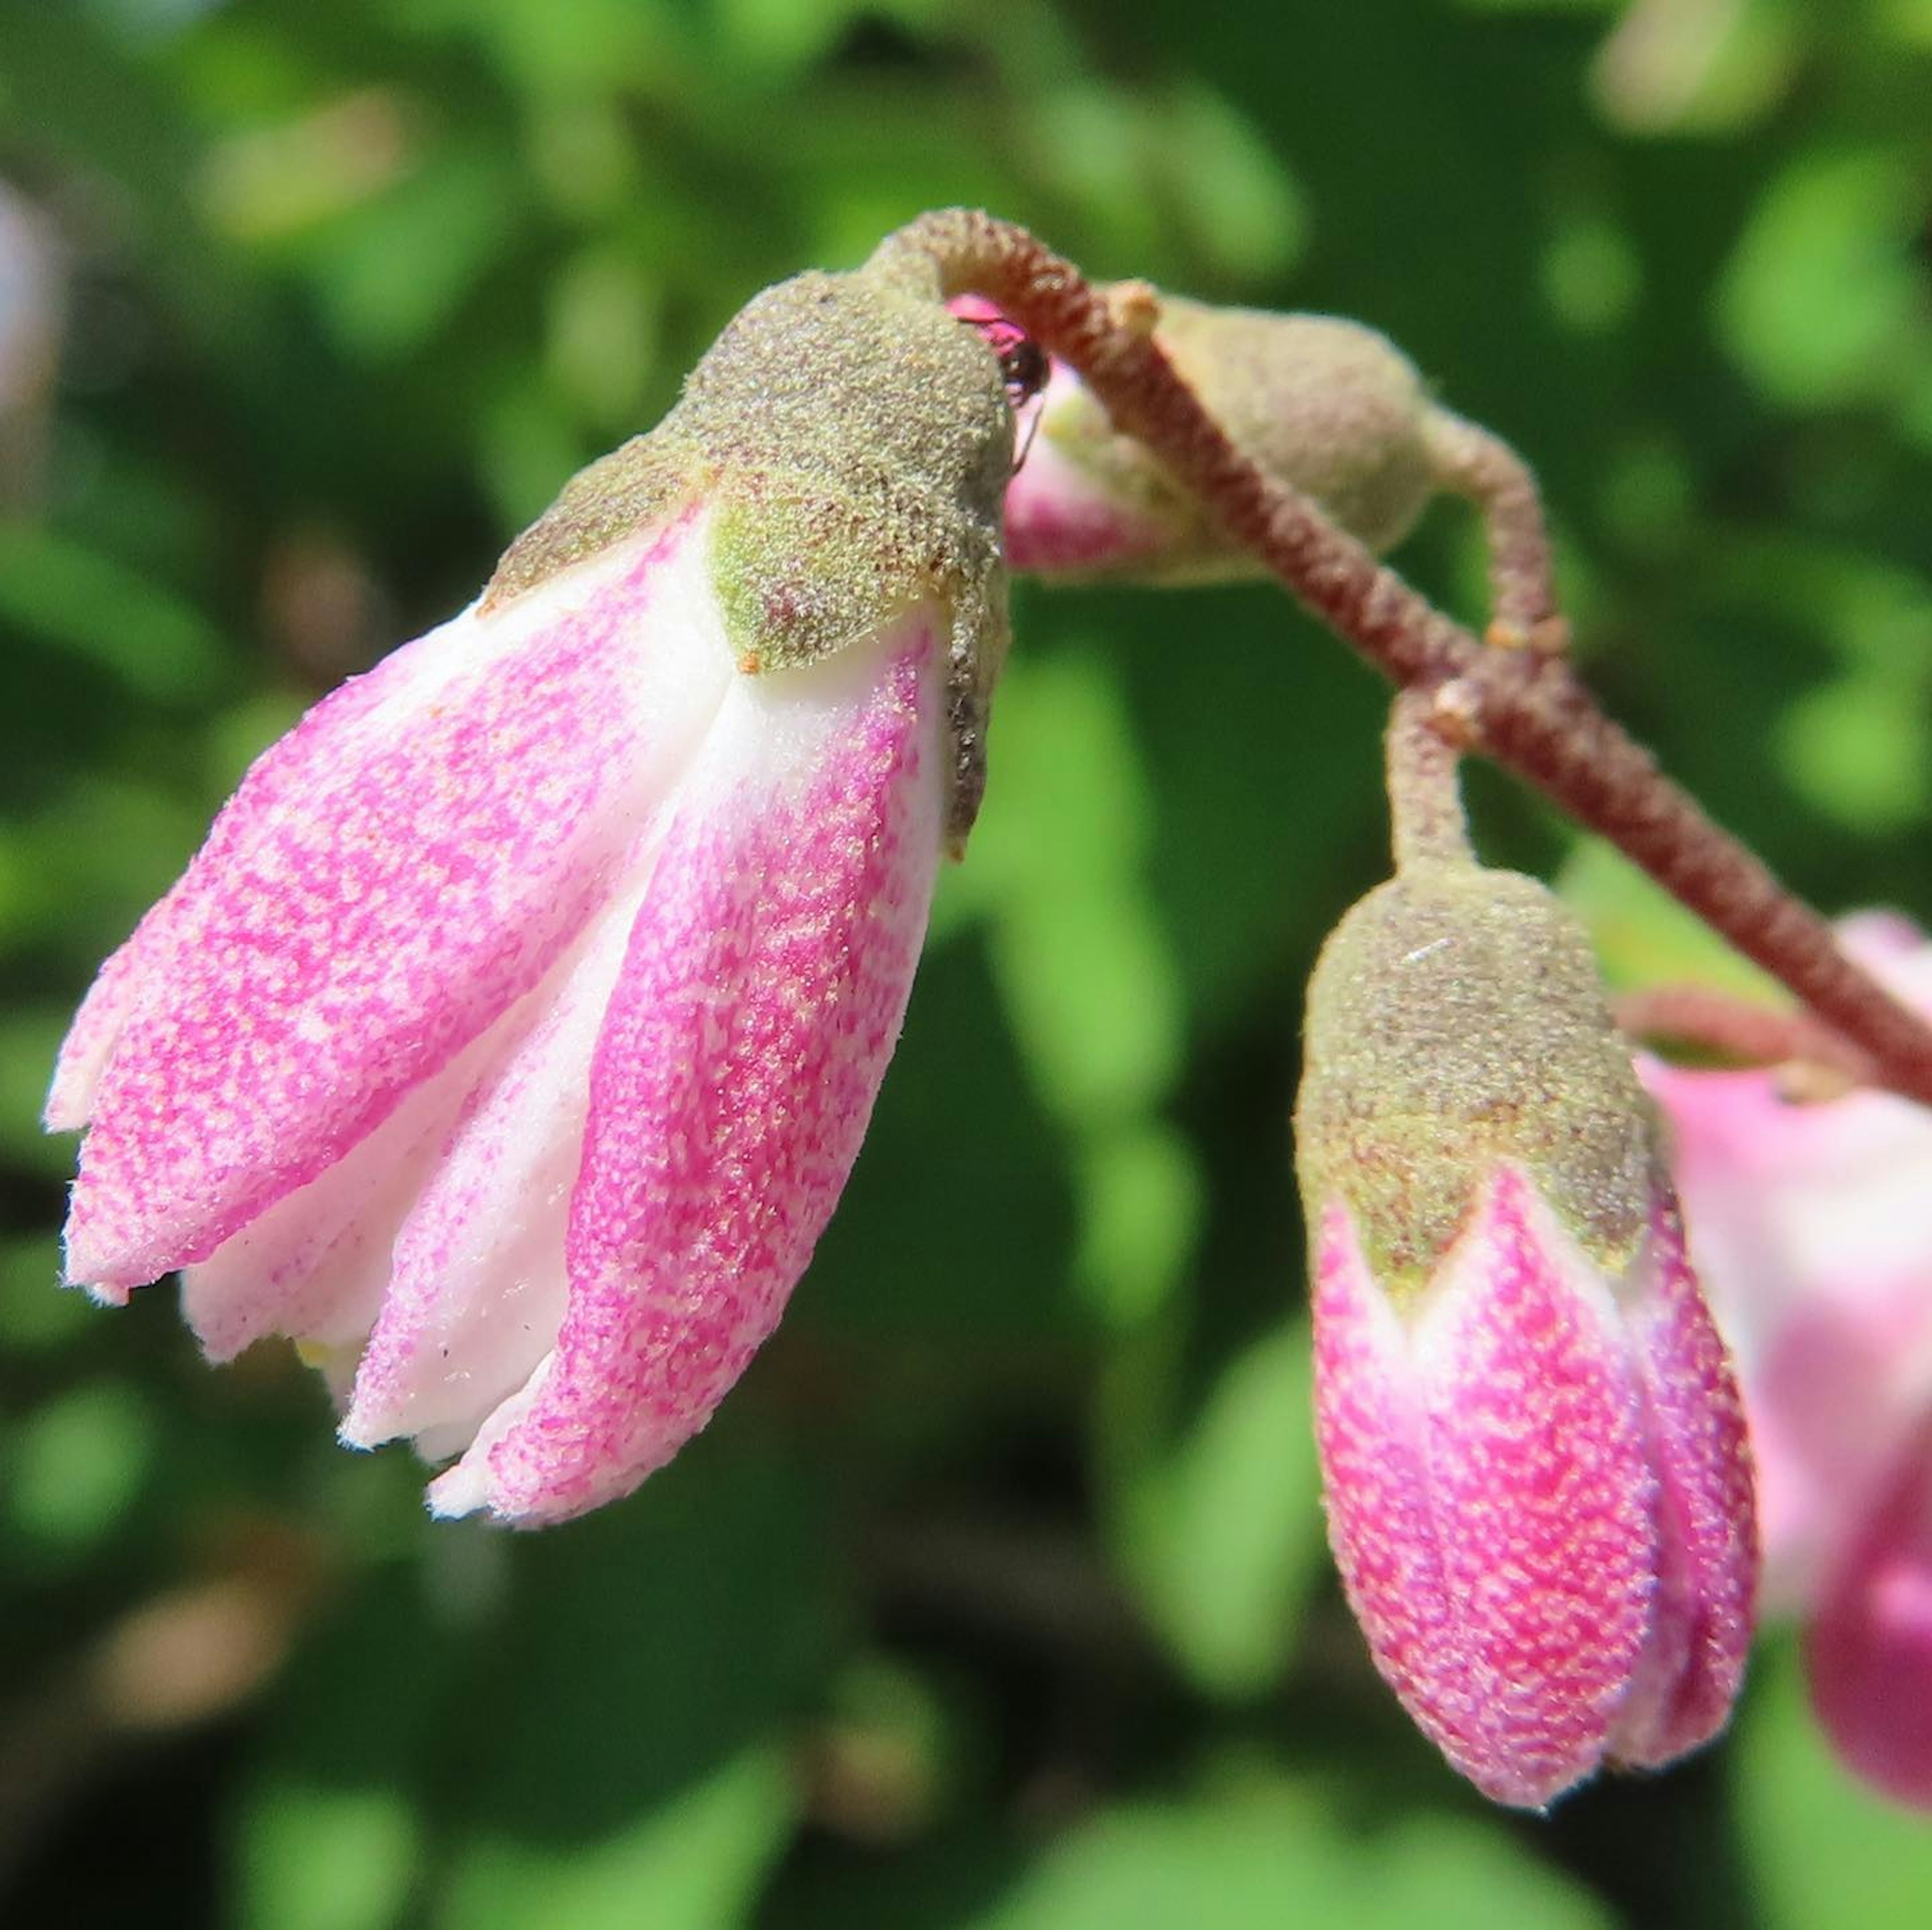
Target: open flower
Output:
[
  {"x": 1538, "y": 1488},
  {"x": 512, "y": 1037},
  {"x": 1811, "y": 1222}
]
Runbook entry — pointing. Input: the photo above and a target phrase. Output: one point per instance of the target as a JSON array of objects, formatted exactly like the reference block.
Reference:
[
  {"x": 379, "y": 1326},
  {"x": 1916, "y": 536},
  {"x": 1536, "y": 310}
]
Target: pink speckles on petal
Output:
[
  {"x": 390, "y": 878},
  {"x": 1060, "y": 521},
  {"x": 478, "y": 1291},
  {"x": 96, "y": 1030},
  {"x": 1373, "y": 1439},
  {"x": 1489, "y": 1497},
  {"x": 763, "y": 992},
  {"x": 314, "y": 1265},
  {"x": 1707, "y": 1580}
]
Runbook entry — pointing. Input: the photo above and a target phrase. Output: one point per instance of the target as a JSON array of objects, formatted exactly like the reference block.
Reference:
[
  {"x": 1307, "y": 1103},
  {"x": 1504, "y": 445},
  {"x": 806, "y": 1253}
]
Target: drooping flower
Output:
[
  {"x": 1810, "y": 1220},
  {"x": 1537, "y": 1480},
  {"x": 511, "y": 1038}
]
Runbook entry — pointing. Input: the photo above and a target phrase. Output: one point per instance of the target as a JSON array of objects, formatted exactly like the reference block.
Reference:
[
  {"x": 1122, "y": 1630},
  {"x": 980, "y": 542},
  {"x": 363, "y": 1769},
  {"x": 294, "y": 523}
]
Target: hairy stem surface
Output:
[{"x": 1525, "y": 709}]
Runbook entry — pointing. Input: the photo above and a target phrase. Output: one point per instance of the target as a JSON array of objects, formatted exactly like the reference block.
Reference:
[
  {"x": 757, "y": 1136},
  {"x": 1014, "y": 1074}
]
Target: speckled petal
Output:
[
  {"x": 410, "y": 859},
  {"x": 314, "y": 1265},
  {"x": 762, "y": 994},
  {"x": 97, "y": 1029},
  {"x": 1061, "y": 522},
  {"x": 1702, "y": 1619},
  {"x": 1488, "y": 1499},
  {"x": 478, "y": 1290}
]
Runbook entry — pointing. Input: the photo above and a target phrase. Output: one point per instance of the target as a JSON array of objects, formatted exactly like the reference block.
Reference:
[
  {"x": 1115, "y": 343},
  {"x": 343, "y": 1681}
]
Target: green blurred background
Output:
[{"x": 996, "y": 1598}]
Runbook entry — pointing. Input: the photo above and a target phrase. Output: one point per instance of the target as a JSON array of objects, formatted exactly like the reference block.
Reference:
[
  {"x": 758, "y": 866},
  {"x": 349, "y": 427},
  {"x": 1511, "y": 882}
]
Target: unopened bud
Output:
[
  {"x": 1539, "y": 1492},
  {"x": 1326, "y": 405}
]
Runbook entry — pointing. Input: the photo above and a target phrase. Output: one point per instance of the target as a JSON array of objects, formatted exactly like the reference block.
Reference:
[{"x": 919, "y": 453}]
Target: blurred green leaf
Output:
[
  {"x": 1223, "y": 1534},
  {"x": 76, "y": 1465},
  {"x": 1080, "y": 952},
  {"x": 1642, "y": 935},
  {"x": 1821, "y": 1848},
  {"x": 604, "y": 335},
  {"x": 1823, "y": 302},
  {"x": 1667, "y": 69},
  {"x": 327, "y": 1859},
  {"x": 393, "y": 278},
  {"x": 1861, "y": 749},
  {"x": 90, "y": 607},
  {"x": 29, "y": 1039},
  {"x": 695, "y": 1863},
  {"x": 36, "y": 1311},
  {"x": 1141, "y": 1191},
  {"x": 1272, "y": 1855}
]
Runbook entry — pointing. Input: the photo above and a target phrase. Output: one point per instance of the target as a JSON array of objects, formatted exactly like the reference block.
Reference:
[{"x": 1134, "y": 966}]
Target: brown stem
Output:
[
  {"x": 1425, "y": 813},
  {"x": 1740, "y": 1030},
  {"x": 1479, "y": 465},
  {"x": 1526, "y": 709}
]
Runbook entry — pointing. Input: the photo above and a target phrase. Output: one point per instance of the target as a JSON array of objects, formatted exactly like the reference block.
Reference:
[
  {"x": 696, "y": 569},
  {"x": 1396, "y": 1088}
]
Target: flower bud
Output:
[
  {"x": 1324, "y": 404},
  {"x": 1538, "y": 1487}
]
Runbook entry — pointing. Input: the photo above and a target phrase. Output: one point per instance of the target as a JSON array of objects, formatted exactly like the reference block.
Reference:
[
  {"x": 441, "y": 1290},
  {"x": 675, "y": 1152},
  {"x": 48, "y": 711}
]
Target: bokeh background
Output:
[{"x": 996, "y": 1598}]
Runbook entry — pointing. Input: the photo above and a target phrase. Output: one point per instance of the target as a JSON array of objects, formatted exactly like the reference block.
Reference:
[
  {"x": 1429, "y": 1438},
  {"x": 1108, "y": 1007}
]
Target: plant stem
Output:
[
  {"x": 1426, "y": 815},
  {"x": 1483, "y": 468},
  {"x": 1526, "y": 710},
  {"x": 1739, "y": 1030}
]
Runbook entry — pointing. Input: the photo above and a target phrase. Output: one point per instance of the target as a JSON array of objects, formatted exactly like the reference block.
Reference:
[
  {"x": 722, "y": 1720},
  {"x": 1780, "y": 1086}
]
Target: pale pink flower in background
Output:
[
  {"x": 511, "y": 1038},
  {"x": 1811, "y": 1225},
  {"x": 1533, "y": 1450}
]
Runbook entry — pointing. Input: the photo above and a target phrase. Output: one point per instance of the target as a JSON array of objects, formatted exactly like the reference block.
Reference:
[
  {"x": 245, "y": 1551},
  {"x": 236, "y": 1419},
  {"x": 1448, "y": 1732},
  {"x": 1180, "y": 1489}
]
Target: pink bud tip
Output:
[{"x": 1539, "y": 1493}]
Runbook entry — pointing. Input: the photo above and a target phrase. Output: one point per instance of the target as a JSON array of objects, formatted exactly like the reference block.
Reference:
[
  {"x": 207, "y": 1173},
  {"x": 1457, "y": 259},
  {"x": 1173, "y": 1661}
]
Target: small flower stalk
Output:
[
  {"x": 509, "y": 1041},
  {"x": 1538, "y": 1482}
]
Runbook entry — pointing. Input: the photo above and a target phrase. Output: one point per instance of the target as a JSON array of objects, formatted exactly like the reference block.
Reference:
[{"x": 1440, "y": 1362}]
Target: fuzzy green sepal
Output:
[
  {"x": 1456, "y": 1020},
  {"x": 855, "y": 440}
]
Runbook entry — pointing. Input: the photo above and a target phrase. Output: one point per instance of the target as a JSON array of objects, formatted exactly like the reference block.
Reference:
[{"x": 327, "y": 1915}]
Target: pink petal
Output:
[
  {"x": 389, "y": 879},
  {"x": 763, "y": 992},
  {"x": 1870, "y": 1651},
  {"x": 1707, "y": 1580},
  {"x": 314, "y": 1265},
  {"x": 1489, "y": 1500},
  {"x": 1060, "y": 520},
  {"x": 478, "y": 1290},
  {"x": 96, "y": 1030}
]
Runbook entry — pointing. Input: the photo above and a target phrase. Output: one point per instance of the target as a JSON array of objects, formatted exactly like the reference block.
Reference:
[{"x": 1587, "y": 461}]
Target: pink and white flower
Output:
[
  {"x": 1538, "y": 1483},
  {"x": 511, "y": 1038},
  {"x": 1811, "y": 1223},
  {"x": 1539, "y": 1494}
]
